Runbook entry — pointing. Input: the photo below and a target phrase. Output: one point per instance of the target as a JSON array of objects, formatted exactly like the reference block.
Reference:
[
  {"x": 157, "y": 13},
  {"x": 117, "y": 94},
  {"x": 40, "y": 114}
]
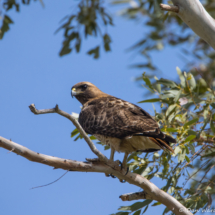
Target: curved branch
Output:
[
  {"x": 95, "y": 165},
  {"x": 75, "y": 123},
  {"x": 196, "y": 17}
]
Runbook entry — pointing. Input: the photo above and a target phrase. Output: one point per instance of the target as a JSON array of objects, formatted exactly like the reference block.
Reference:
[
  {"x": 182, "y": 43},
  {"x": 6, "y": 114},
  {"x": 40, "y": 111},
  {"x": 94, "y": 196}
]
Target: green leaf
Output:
[
  {"x": 150, "y": 100},
  {"x": 187, "y": 150},
  {"x": 181, "y": 76},
  {"x": 165, "y": 16},
  {"x": 181, "y": 156},
  {"x": 148, "y": 82},
  {"x": 5, "y": 25},
  {"x": 177, "y": 150},
  {"x": 139, "y": 205},
  {"x": 121, "y": 213},
  {"x": 212, "y": 105},
  {"x": 170, "y": 109},
  {"x": 192, "y": 81},
  {"x": 171, "y": 190},
  {"x": 192, "y": 147},
  {"x": 137, "y": 212},
  {"x": 177, "y": 96},
  {"x": 74, "y": 132},
  {"x": 147, "y": 171},
  {"x": 124, "y": 208},
  {"x": 167, "y": 83},
  {"x": 77, "y": 46},
  {"x": 191, "y": 122},
  {"x": 156, "y": 203},
  {"x": 171, "y": 129},
  {"x": 209, "y": 155},
  {"x": 187, "y": 159},
  {"x": 189, "y": 138},
  {"x": 94, "y": 52},
  {"x": 145, "y": 209},
  {"x": 79, "y": 136},
  {"x": 107, "y": 42},
  {"x": 120, "y": 1},
  {"x": 65, "y": 49},
  {"x": 212, "y": 126},
  {"x": 92, "y": 138}
]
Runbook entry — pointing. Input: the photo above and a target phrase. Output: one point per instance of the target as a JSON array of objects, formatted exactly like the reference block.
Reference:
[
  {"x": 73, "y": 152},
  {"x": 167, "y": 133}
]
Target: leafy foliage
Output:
[
  {"x": 5, "y": 26},
  {"x": 90, "y": 13}
]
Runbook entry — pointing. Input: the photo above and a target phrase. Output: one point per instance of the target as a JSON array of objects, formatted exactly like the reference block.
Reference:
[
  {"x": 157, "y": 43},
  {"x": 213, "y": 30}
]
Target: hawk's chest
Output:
[{"x": 113, "y": 142}]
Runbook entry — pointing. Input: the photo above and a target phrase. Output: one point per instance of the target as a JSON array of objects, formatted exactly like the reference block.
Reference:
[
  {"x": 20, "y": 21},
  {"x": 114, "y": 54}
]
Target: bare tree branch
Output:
[
  {"x": 169, "y": 8},
  {"x": 95, "y": 165},
  {"x": 135, "y": 196},
  {"x": 75, "y": 123},
  {"x": 196, "y": 17}
]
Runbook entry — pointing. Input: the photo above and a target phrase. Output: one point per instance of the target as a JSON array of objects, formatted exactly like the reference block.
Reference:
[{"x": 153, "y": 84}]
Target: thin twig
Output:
[
  {"x": 51, "y": 182},
  {"x": 76, "y": 124}
]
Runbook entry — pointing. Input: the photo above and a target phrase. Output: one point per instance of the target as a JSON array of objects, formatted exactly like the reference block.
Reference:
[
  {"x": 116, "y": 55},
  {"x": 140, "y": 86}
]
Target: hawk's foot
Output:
[
  {"x": 108, "y": 175},
  {"x": 122, "y": 181}
]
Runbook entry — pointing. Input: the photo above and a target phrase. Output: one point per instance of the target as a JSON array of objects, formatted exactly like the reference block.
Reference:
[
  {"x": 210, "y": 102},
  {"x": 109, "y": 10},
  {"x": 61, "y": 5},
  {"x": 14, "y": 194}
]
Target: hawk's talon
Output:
[
  {"x": 127, "y": 171},
  {"x": 122, "y": 181},
  {"x": 108, "y": 175}
]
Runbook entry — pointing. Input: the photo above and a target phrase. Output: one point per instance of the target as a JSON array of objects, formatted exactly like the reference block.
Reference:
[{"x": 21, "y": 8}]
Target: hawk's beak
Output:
[{"x": 73, "y": 92}]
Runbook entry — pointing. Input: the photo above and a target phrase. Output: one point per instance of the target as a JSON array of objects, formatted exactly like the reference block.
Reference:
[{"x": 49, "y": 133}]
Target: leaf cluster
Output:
[{"x": 87, "y": 21}]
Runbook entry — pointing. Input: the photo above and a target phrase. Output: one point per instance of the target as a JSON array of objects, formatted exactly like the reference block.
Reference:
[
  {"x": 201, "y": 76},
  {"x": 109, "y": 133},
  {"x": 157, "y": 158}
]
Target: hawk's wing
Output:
[{"x": 113, "y": 117}]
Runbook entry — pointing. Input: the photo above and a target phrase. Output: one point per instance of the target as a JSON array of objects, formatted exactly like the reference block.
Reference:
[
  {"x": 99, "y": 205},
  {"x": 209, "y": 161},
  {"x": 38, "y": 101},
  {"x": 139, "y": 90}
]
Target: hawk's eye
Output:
[{"x": 83, "y": 87}]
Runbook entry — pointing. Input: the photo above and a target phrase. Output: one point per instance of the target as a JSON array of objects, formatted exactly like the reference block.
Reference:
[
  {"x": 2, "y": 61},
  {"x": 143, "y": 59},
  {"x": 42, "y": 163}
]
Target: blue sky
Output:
[{"x": 32, "y": 72}]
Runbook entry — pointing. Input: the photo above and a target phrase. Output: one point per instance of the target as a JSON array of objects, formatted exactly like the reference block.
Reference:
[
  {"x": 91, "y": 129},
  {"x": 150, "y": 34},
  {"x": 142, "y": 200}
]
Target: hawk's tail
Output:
[
  {"x": 161, "y": 139},
  {"x": 163, "y": 143}
]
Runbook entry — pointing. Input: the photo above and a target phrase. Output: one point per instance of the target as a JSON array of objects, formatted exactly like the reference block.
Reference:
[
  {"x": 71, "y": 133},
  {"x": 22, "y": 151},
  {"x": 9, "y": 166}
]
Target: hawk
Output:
[{"x": 123, "y": 126}]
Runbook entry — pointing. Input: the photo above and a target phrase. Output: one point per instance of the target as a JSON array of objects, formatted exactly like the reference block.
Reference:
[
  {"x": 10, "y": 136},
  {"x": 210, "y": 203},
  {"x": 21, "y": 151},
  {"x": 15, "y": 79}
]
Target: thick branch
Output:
[
  {"x": 55, "y": 162},
  {"x": 135, "y": 196},
  {"x": 76, "y": 124},
  {"x": 196, "y": 17},
  {"x": 169, "y": 8},
  {"x": 152, "y": 191}
]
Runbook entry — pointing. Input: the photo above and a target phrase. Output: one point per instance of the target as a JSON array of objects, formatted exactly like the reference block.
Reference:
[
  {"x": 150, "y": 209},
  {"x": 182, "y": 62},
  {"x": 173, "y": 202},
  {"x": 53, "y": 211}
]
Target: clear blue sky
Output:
[{"x": 32, "y": 72}]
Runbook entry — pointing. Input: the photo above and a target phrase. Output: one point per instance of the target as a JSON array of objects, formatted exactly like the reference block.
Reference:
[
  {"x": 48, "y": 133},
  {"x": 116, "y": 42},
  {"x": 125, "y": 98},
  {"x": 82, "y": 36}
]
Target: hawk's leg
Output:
[
  {"x": 112, "y": 154},
  {"x": 111, "y": 158},
  {"x": 124, "y": 165}
]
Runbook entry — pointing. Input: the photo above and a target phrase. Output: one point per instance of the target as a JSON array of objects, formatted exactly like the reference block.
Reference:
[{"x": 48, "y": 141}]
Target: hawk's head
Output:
[{"x": 85, "y": 91}]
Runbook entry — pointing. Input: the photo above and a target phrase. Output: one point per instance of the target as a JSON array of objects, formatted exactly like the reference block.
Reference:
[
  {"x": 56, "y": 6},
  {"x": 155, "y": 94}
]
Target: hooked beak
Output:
[{"x": 73, "y": 92}]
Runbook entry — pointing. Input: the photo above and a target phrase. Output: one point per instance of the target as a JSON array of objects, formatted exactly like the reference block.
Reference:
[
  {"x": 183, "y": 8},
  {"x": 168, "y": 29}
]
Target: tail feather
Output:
[
  {"x": 165, "y": 144},
  {"x": 161, "y": 139}
]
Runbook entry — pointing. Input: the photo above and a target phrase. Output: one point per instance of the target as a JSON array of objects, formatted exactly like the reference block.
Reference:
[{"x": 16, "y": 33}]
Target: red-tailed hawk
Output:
[{"x": 123, "y": 126}]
